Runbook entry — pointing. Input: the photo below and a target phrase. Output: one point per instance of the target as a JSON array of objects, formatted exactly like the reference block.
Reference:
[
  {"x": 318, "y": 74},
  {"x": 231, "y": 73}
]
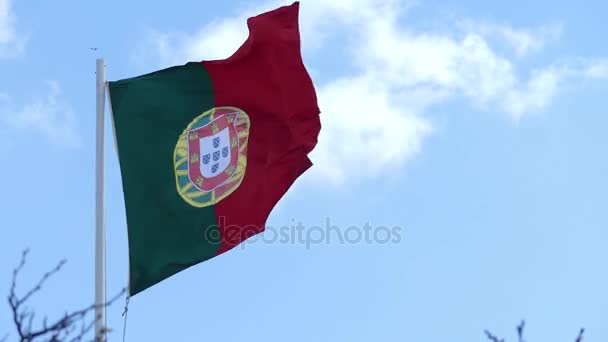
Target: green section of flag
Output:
[{"x": 166, "y": 234}]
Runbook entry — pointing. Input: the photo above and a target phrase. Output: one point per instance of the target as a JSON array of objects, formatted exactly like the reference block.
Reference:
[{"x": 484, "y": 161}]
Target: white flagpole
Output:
[{"x": 100, "y": 229}]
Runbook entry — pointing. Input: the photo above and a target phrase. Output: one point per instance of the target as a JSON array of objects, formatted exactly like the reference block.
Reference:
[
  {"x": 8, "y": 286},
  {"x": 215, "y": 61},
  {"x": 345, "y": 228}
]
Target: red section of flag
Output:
[{"x": 267, "y": 79}]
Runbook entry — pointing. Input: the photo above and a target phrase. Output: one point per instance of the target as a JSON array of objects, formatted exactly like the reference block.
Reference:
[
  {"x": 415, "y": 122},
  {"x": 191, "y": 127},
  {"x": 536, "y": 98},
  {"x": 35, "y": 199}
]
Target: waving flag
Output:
[{"x": 208, "y": 148}]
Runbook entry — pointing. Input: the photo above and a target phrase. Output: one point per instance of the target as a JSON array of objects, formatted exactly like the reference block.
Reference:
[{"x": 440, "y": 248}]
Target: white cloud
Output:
[
  {"x": 220, "y": 38},
  {"x": 396, "y": 73},
  {"x": 6, "y": 21},
  {"x": 49, "y": 116},
  {"x": 10, "y": 43},
  {"x": 545, "y": 83},
  {"x": 369, "y": 128},
  {"x": 596, "y": 70},
  {"x": 467, "y": 65},
  {"x": 523, "y": 41}
]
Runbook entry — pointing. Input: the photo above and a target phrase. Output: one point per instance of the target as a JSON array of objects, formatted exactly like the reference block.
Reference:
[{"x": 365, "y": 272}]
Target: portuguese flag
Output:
[{"x": 207, "y": 149}]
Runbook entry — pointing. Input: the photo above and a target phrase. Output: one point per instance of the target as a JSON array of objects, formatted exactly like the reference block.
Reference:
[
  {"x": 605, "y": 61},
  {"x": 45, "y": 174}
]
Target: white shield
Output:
[{"x": 215, "y": 153}]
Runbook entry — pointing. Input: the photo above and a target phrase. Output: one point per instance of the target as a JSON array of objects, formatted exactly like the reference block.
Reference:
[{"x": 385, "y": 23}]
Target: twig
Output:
[
  {"x": 520, "y": 334},
  {"x": 63, "y": 329},
  {"x": 520, "y": 331},
  {"x": 492, "y": 337}
]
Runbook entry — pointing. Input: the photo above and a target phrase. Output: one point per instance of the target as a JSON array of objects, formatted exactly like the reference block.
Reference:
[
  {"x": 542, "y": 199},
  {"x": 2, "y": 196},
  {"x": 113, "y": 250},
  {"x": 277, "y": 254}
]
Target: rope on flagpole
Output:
[{"x": 124, "y": 314}]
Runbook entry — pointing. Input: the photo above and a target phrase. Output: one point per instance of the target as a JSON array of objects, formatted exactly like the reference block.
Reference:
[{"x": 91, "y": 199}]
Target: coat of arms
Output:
[{"x": 211, "y": 156}]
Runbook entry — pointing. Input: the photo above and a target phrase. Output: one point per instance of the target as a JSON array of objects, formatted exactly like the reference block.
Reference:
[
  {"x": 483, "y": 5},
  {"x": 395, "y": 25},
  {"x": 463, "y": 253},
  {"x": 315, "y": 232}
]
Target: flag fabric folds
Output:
[{"x": 207, "y": 149}]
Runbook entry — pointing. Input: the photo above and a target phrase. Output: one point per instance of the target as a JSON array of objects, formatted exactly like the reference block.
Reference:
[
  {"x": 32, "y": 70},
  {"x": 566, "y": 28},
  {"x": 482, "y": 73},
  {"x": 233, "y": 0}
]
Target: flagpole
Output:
[{"x": 100, "y": 229}]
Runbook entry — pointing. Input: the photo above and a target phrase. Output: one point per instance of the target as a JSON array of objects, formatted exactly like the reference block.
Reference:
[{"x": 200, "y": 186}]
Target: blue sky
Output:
[{"x": 476, "y": 127}]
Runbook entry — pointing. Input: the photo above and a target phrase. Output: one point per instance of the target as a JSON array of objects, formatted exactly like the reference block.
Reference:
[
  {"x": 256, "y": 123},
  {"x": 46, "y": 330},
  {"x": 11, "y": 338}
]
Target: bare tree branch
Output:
[
  {"x": 520, "y": 334},
  {"x": 520, "y": 331},
  {"x": 72, "y": 327},
  {"x": 492, "y": 337},
  {"x": 41, "y": 282}
]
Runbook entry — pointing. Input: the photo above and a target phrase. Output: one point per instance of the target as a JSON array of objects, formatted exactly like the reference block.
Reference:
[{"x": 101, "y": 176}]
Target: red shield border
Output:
[{"x": 194, "y": 153}]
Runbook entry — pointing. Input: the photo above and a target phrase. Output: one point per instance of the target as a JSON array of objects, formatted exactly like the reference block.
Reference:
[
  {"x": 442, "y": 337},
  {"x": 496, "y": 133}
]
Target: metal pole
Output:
[{"x": 100, "y": 229}]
